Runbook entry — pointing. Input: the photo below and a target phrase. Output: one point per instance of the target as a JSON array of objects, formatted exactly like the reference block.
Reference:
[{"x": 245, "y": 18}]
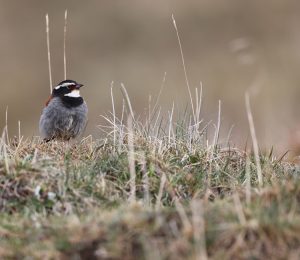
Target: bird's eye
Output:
[{"x": 71, "y": 87}]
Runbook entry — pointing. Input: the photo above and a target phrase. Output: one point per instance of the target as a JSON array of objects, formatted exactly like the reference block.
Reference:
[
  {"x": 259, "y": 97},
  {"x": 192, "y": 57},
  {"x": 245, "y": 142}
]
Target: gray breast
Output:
[{"x": 59, "y": 121}]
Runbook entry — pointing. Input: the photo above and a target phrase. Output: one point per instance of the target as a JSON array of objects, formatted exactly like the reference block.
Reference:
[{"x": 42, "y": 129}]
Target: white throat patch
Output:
[{"x": 75, "y": 93}]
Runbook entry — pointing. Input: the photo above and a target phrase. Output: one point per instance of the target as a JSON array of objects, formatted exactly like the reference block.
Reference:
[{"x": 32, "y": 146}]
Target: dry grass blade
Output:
[
  {"x": 4, "y": 149},
  {"x": 126, "y": 96},
  {"x": 171, "y": 125},
  {"x": 147, "y": 199},
  {"x": 131, "y": 160},
  {"x": 65, "y": 39},
  {"x": 152, "y": 113},
  {"x": 254, "y": 140},
  {"x": 114, "y": 112},
  {"x": 19, "y": 130},
  {"x": 217, "y": 132},
  {"x": 198, "y": 105},
  {"x": 184, "y": 67},
  {"x": 6, "y": 125},
  {"x": 48, "y": 51}
]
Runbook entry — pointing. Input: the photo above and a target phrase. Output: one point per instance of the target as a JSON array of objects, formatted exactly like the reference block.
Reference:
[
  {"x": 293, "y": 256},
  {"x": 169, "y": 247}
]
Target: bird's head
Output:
[{"x": 67, "y": 88}]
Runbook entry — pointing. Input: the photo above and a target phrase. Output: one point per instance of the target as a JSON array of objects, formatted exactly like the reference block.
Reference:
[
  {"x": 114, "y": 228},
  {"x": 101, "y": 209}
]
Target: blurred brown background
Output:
[{"x": 231, "y": 46}]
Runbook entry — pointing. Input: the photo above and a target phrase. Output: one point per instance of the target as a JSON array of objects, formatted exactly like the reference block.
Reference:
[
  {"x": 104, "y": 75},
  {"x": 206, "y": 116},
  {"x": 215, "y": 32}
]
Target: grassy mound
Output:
[{"x": 151, "y": 190}]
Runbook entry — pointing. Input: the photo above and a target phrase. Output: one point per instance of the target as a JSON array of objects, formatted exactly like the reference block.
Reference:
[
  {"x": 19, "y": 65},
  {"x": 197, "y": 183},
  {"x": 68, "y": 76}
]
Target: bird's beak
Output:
[{"x": 78, "y": 86}]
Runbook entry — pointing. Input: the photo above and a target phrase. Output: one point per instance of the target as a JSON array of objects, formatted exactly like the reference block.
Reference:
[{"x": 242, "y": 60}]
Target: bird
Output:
[{"x": 65, "y": 115}]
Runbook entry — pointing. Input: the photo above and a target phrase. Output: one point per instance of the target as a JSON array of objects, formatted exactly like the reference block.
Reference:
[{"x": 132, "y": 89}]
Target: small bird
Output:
[{"x": 65, "y": 114}]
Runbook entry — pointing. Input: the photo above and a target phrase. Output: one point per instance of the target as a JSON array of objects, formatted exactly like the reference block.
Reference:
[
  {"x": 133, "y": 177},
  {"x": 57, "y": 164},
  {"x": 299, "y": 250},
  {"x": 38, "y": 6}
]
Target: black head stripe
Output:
[{"x": 60, "y": 91}]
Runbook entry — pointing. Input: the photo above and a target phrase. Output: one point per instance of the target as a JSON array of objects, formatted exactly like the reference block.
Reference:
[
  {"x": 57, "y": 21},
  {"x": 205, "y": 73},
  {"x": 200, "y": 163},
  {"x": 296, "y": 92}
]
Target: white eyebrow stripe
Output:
[
  {"x": 65, "y": 85},
  {"x": 68, "y": 84},
  {"x": 75, "y": 93}
]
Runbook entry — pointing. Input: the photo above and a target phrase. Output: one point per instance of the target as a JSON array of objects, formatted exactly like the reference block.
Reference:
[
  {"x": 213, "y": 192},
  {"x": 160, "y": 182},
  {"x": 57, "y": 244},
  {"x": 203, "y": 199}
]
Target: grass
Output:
[{"x": 151, "y": 189}]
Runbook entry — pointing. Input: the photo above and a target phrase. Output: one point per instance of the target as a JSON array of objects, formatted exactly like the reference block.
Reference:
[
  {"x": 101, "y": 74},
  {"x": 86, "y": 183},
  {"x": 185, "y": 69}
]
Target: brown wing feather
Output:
[{"x": 48, "y": 100}]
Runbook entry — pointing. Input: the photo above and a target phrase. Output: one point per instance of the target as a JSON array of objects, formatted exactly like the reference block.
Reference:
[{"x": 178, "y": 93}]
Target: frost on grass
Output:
[{"x": 149, "y": 189}]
